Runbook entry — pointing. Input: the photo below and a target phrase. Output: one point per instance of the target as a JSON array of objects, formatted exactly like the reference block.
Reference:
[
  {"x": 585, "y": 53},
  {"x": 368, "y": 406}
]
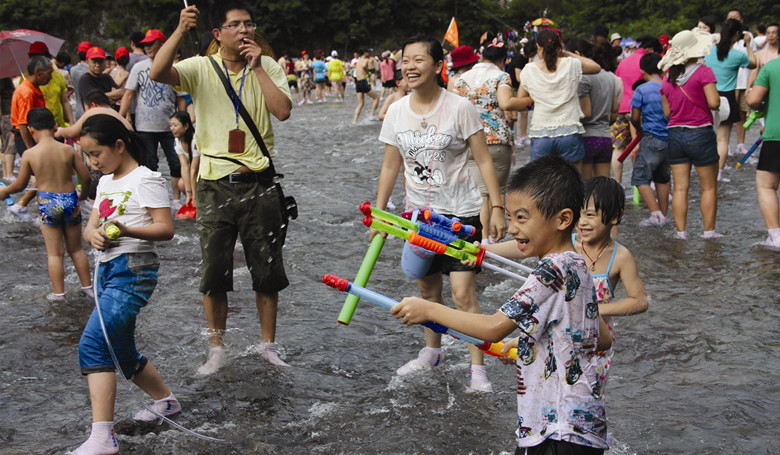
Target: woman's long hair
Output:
[
  {"x": 184, "y": 118},
  {"x": 106, "y": 130},
  {"x": 550, "y": 43},
  {"x": 728, "y": 31}
]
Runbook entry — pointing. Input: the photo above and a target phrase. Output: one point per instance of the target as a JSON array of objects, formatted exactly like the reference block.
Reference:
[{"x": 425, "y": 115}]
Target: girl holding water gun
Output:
[
  {"x": 429, "y": 134},
  {"x": 132, "y": 200}
]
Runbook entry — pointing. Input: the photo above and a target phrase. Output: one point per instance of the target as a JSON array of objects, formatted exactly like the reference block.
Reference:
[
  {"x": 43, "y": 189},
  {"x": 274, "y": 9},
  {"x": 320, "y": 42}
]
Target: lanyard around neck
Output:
[{"x": 236, "y": 101}]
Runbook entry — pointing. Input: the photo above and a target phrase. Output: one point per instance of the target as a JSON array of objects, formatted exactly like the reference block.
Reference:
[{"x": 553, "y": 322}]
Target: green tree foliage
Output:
[{"x": 345, "y": 25}]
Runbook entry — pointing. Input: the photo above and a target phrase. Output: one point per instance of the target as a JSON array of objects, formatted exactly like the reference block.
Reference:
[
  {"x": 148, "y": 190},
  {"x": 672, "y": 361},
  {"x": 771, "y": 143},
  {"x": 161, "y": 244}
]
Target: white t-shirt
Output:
[
  {"x": 126, "y": 200},
  {"x": 180, "y": 150},
  {"x": 156, "y": 102},
  {"x": 436, "y": 155},
  {"x": 556, "y": 104},
  {"x": 744, "y": 73}
]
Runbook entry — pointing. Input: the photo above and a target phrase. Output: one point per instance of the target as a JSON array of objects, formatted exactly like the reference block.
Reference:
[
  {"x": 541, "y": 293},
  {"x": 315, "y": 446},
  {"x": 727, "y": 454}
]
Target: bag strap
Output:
[
  {"x": 697, "y": 104},
  {"x": 244, "y": 115}
]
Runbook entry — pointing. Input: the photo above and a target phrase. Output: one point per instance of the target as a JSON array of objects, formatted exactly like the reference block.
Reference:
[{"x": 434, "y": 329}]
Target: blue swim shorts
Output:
[
  {"x": 124, "y": 286},
  {"x": 59, "y": 209}
]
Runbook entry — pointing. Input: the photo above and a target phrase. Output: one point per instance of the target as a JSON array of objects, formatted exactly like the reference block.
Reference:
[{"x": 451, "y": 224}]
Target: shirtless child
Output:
[
  {"x": 53, "y": 164},
  {"x": 365, "y": 64}
]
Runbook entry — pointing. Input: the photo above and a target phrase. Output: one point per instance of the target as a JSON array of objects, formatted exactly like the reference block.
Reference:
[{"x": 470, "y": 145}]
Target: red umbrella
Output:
[{"x": 14, "y": 46}]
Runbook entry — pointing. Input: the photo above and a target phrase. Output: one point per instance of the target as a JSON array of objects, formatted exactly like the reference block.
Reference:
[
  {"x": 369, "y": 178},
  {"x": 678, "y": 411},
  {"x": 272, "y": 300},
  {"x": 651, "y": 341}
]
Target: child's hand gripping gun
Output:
[{"x": 360, "y": 292}]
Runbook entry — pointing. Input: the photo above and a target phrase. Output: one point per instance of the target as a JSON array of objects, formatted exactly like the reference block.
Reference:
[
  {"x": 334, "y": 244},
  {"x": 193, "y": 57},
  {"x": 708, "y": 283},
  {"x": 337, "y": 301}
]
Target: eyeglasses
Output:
[{"x": 234, "y": 26}]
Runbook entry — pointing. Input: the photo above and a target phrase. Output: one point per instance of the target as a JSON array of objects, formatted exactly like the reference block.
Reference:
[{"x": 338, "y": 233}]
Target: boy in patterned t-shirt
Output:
[{"x": 559, "y": 393}]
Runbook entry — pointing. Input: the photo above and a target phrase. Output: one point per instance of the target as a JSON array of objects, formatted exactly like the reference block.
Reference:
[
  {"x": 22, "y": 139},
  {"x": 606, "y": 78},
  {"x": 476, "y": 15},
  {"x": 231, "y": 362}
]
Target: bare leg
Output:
[
  {"x": 150, "y": 381},
  {"x": 649, "y": 197},
  {"x": 215, "y": 305},
  {"x": 375, "y": 104},
  {"x": 708, "y": 179},
  {"x": 682, "y": 179},
  {"x": 359, "y": 107},
  {"x": 464, "y": 294},
  {"x": 266, "y": 310},
  {"x": 55, "y": 252},
  {"x": 28, "y": 196},
  {"x": 601, "y": 169},
  {"x": 175, "y": 188},
  {"x": 766, "y": 186},
  {"x": 724, "y": 134},
  {"x": 102, "y": 393},
  {"x": 431, "y": 289},
  {"x": 617, "y": 166},
  {"x": 8, "y": 165},
  {"x": 76, "y": 252},
  {"x": 662, "y": 191}
]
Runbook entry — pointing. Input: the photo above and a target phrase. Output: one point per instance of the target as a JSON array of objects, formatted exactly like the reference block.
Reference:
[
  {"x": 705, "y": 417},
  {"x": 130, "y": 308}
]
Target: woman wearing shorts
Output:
[
  {"x": 688, "y": 93},
  {"x": 725, "y": 63}
]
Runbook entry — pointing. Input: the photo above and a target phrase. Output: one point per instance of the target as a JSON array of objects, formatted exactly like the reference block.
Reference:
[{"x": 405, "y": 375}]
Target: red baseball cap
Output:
[
  {"x": 121, "y": 52},
  {"x": 39, "y": 48},
  {"x": 152, "y": 35},
  {"x": 304, "y": 52},
  {"x": 95, "y": 52},
  {"x": 83, "y": 46}
]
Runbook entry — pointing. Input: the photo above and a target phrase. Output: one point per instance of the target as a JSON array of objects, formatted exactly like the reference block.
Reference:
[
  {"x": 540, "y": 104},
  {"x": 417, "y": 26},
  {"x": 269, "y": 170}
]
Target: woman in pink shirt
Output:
[{"x": 688, "y": 94}]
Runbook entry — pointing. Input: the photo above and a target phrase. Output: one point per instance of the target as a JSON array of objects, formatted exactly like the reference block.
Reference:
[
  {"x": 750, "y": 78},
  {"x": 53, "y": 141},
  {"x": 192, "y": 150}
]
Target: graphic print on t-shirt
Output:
[
  {"x": 153, "y": 92},
  {"x": 423, "y": 148}
]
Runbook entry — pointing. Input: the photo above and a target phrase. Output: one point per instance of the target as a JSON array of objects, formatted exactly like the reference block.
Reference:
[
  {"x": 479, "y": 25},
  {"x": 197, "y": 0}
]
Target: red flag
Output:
[{"x": 452, "y": 33}]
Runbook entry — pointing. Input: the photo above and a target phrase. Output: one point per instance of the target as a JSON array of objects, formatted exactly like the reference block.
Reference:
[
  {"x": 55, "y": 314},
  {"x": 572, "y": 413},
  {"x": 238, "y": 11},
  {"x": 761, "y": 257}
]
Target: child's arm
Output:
[
  {"x": 83, "y": 173},
  {"x": 160, "y": 229},
  {"x": 489, "y": 327},
  {"x": 94, "y": 233},
  {"x": 386, "y": 105},
  {"x": 391, "y": 165},
  {"x": 605, "y": 337},
  {"x": 507, "y": 103},
  {"x": 21, "y": 180},
  {"x": 73, "y": 131},
  {"x": 636, "y": 119},
  {"x": 636, "y": 302},
  {"x": 667, "y": 109},
  {"x": 586, "y": 106}
]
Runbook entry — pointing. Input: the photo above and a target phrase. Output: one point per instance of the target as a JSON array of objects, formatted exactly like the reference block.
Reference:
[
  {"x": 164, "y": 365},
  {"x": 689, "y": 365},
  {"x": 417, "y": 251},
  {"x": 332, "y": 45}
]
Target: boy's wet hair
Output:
[
  {"x": 553, "y": 183},
  {"x": 40, "y": 119},
  {"x": 608, "y": 197},
  {"x": 106, "y": 130},
  {"x": 220, "y": 9}
]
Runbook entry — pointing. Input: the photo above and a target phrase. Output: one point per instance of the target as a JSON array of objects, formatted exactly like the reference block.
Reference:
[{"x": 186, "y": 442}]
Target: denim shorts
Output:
[
  {"x": 124, "y": 286},
  {"x": 249, "y": 209},
  {"x": 692, "y": 145},
  {"x": 651, "y": 162},
  {"x": 567, "y": 147}
]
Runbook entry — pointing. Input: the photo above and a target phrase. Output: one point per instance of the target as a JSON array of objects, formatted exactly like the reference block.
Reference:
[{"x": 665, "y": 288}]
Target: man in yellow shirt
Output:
[
  {"x": 55, "y": 92},
  {"x": 235, "y": 188}
]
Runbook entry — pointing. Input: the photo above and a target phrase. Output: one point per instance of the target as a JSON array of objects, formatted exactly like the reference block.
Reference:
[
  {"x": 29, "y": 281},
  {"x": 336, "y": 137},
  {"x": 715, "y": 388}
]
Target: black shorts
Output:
[
  {"x": 733, "y": 108},
  {"x": 362, "y": 86},
  {"x": 445, "y": 264},
  {"x": 553, "y": 447},
  {"x": 389, "y": 84},
  {"x": 769, "y": 160}
]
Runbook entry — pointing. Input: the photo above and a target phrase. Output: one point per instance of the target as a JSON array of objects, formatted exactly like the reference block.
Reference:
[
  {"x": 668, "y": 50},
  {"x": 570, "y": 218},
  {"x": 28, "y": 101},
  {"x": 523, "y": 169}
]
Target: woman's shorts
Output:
[
  {"x": 769, "y": 160},
  {"x": 733, "y": 108},
  {"x": 502, "y": 161},
  {"x": 362, "y": 86},
  {"x": 692, "y": 145},
  {"x": 621, "y": 132},
  {"x": 567, "y": 147},
  {"x": 389, "y": 84},
  {"x": 597, "y": 150}
]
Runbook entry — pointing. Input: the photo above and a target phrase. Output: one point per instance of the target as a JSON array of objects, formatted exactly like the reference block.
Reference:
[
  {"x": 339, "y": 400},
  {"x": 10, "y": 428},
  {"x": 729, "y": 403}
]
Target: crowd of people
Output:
[{"x": 451, "y": 124}]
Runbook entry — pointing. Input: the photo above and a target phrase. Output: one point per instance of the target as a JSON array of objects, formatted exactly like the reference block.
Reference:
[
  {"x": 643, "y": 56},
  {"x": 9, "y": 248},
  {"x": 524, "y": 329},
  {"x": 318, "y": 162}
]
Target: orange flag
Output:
[{"x": 452, "y": 33}]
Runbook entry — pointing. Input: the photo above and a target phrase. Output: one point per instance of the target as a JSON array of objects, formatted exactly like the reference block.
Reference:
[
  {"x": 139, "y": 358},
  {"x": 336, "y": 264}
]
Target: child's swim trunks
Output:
[{"x": 59, "y": 209}]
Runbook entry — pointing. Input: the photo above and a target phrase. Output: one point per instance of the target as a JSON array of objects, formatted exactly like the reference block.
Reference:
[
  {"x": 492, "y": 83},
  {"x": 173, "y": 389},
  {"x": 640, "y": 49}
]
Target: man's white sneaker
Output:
[{"x": 428, "y": 359}]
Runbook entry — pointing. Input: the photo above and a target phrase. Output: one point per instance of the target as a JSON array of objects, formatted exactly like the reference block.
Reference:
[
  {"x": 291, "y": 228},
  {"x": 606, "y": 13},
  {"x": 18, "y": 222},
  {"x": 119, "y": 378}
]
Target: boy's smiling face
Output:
[{"x": 536, "y": 235}]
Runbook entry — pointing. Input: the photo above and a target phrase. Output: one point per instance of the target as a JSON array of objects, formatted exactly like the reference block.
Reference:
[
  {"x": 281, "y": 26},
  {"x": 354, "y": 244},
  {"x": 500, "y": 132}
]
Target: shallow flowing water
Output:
[{"x": 696, "y": 373}]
